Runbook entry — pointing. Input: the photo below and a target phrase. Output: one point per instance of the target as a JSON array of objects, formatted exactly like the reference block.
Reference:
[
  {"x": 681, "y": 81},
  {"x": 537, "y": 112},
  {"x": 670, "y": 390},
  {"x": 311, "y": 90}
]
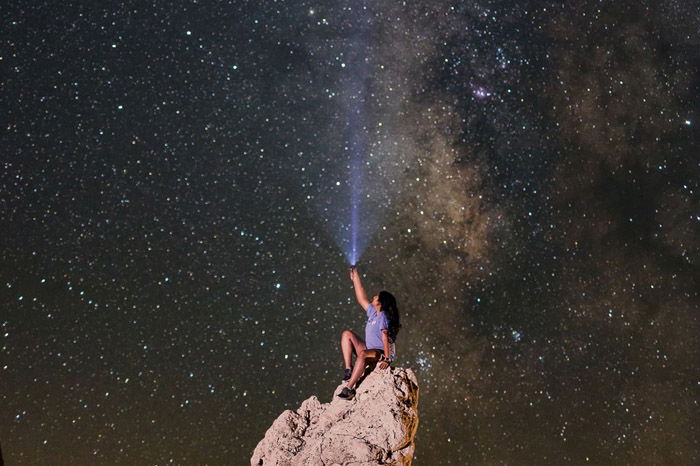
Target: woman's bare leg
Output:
[
  {"x": 350, "y": 341},
  {"x": 360, "y": 362}
]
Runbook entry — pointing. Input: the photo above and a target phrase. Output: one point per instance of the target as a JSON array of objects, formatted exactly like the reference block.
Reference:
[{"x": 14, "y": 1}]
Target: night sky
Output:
[{"x": 175, "y": 193}]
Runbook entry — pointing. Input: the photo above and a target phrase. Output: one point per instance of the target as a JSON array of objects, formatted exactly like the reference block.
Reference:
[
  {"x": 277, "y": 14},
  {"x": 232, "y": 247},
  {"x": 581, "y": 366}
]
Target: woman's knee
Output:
[{"x": 346, "y": 335}]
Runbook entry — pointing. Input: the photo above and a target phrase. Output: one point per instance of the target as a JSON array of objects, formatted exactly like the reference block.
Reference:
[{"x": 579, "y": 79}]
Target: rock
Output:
[{"x": 376, "y": 427}]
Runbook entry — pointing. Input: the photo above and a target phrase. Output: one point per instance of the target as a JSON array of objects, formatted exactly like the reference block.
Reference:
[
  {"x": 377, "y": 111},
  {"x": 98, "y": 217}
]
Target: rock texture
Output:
[{"x": 377, "y": 427}]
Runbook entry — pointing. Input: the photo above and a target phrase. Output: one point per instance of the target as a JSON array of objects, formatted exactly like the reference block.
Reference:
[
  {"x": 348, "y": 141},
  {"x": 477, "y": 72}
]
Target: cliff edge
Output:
[{"x": 377, "y": 427}]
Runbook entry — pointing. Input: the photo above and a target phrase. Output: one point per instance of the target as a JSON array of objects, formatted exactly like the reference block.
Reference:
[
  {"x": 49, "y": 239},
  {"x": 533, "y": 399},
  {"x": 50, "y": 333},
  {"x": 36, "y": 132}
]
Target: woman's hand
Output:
[
  {"x": 384, "y": 361},
  {"x": 353, "y": 273}
]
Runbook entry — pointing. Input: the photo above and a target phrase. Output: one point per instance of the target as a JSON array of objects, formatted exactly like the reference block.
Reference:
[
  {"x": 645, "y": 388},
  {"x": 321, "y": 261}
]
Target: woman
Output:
[{"x": 380, "y": 333}]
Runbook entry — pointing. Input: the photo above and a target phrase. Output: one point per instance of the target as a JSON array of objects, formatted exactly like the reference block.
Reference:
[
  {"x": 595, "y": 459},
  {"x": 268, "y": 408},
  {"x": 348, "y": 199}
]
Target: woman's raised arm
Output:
[{"x": 359, "y": 290}]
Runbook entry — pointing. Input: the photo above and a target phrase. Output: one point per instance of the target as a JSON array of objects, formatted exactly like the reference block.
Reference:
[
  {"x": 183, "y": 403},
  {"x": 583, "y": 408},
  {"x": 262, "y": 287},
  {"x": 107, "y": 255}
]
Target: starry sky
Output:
[{"x": 175, "y": 192}]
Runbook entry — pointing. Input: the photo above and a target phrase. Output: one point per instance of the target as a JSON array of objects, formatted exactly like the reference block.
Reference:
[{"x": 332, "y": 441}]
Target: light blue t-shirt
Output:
[{"x": 373, "y": 328}]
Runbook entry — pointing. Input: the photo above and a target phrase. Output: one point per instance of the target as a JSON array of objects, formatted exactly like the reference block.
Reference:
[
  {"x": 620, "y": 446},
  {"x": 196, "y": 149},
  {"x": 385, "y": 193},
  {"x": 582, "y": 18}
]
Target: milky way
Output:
[{"x": 176, "y": 182}]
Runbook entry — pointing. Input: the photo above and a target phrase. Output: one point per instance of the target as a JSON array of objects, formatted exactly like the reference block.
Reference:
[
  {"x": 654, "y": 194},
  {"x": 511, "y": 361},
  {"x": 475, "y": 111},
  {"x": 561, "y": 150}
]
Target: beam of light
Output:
[
  {"x": 355, "y": 190},
  {"x": 354, "y": 225},
  {"x": 353, "y": 242},
  {"x": 351, "y": 208},
  {"x": 356, "y": 87}
]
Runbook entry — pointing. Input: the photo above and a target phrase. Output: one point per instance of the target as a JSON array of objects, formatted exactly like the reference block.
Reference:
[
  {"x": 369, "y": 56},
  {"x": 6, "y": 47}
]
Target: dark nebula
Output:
[{"x": 175, "y": 178}]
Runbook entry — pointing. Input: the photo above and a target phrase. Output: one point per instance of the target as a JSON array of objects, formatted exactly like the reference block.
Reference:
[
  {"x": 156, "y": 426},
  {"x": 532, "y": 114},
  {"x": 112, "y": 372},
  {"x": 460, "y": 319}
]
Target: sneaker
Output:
[
  {"x": 346, "y": 375},
  {"x": 347, "y": 393}
]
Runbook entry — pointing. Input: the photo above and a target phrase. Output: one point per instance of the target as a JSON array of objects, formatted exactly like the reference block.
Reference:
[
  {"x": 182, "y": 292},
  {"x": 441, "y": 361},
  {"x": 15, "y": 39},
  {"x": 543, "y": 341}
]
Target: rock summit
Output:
[{"x": 376, "y": 427}]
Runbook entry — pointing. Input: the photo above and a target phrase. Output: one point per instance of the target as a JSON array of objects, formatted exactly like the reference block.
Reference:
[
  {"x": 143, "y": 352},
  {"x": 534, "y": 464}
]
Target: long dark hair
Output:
[{"x": 391, "y": 310}]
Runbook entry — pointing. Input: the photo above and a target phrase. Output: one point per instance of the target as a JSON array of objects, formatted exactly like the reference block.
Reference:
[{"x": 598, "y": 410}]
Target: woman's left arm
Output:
[{"x": 387, "y": 349}]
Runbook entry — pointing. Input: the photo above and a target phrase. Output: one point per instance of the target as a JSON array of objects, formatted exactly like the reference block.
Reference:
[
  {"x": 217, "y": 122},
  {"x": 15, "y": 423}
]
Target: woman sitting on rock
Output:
[{"x": 380, "y": 333}]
